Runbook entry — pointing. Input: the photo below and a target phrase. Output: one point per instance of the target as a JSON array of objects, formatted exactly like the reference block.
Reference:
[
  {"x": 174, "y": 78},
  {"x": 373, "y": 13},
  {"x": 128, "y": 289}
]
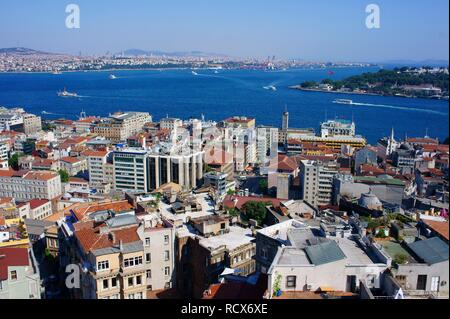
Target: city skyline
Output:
[{"x": 326, "y": 31}]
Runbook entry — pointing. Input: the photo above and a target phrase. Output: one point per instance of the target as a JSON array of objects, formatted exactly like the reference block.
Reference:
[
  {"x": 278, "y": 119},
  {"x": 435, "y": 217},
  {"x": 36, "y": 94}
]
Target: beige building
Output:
[
  {"x": 27, "y": 185},
  {"x": 31, "y": 124},
  {"x": 119, "y": 126},
  {"x": 112, "y": 255}
]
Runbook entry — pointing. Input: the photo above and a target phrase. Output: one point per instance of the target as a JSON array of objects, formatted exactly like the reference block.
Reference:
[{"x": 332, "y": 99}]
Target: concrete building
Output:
[
  {"x": 170, "y": 123},
  {"x": 130, "y": 170},
  {"x": 336, "y": 265},
  {"x": 337, "y": 128},
  {"x": 40, "y": 209},
  {"x": 316, "y": 181},
  {"x": 119, "y": 126},
  {"x": 267, "y": 143},
  {"x": 111, "y": 254},
  {"x": 18, "y": 277},
  {"x": 31, "y": 124},
  {"x": 27, "y": 185},
  {"x": 97, "y": 160},
  {"x": 74, "y": 165},
  {"x": 366, "y": 155},
  {"x": 158, "y": 237}
]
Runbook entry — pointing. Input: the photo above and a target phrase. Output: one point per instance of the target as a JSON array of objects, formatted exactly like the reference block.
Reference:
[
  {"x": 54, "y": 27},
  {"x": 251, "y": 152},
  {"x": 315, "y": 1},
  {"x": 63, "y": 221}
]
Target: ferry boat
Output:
[
  {"x": 270, "y": 87},
  {"x": 343, "y": 101},
  {"x": 65, "y": 93},
  {"x": 112, "y": 77}
]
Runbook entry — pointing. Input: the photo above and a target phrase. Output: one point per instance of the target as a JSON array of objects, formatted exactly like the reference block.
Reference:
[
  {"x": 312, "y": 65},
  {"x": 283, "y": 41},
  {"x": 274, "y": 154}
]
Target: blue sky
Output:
[{"x": 314, "y": 30}]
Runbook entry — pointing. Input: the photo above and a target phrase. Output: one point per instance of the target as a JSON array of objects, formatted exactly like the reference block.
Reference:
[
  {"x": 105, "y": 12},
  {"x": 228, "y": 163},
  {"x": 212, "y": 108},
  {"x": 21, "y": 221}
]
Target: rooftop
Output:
[{"x": 236, "y": 237}]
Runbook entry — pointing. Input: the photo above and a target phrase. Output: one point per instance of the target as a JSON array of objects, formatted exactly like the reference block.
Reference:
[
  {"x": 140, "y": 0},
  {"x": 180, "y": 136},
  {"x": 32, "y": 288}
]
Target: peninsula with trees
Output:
[{"x": 411, "y": 82}]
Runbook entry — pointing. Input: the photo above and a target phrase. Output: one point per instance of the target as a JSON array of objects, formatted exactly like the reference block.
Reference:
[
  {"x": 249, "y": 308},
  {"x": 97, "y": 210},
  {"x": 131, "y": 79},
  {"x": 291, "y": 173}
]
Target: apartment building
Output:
[
  {"x": 119, "y": 126},
  {"x": 27, "y": 185},
  {"x": 158, "y": 237},
  {"x": 31, "y": 124},
  {"x": 18, "y": 278},
  {"x": 338, "y": 128},
  {"x": 170, "y": 123},
  {"x": 73, "y": 165},
  {"x": 267, "y": 143},
  {"x": 111, "y": 254},
  {"x": 40, "y": 209},
  {"x": 97, "y": 162},
  {"x": 316, "y": 181}
]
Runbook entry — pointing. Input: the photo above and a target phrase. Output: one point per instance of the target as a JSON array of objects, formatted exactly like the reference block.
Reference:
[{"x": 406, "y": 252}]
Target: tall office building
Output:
[
  {"x": 145, "y": 171},
  {"x": 316, "y": 180}
]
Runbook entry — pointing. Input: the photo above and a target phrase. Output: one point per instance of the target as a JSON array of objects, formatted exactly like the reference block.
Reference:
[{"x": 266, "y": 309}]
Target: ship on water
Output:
[
  {"x": 343, "y": 101},
  {"x": 194, "y": 73},
  {"x": 112, "y": 77},
  {"x": 66, "y": 93},
  {"x": 270, "y": 87}
]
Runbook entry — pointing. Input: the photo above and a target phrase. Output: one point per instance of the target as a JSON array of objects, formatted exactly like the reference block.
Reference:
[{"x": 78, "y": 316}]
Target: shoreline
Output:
[{"x": 299, "y": 88}]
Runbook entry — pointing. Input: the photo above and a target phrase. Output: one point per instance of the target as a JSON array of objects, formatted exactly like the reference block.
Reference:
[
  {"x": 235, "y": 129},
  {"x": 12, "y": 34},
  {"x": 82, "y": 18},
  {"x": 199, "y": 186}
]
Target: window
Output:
[
  {"x": 130, "y": 281},
  {"x": 422, "y": 282},
  {"x": 291, "y": 281},
  {"x": 148, "y": 274},
  {"x": 167, "y": 271},
  {"x": 102, "y": 265},
  {"x": 147, "y": 241},
  {"x": 166, "y": 255},
  {"x": 166, "y": 239},
  {"x": 13, "y": 275},
  {"x": 105, "y": 283},
  {"x": 264, "y": 253},
  {"x": 138, "y": 280},
  {"x": 113, "y": 282},
  {"x": 132, "y": 262}
]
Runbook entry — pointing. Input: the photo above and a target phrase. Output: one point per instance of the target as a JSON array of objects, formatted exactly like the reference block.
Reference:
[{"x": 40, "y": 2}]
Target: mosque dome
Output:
[{"x": 370, "y": 201}]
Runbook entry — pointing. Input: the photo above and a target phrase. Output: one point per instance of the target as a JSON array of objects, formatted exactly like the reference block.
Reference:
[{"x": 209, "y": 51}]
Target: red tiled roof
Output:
[
  {"x": 118, "y": 206},
  {"x": 229, "y": 201},
  {"x": 71, "y": 160},
  {"x": 12, "y": 257},
  {"x": 92, "y": 153},
  {"x": 43, "y": 176},
  {"x": 90, "y": 238},
  {"x": 439, "y": 227},
  {"x": 35, "y": 203}
]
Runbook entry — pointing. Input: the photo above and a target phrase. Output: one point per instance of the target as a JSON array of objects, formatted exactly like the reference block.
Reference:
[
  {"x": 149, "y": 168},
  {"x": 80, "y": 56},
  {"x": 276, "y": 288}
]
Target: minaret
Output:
[
  {"x": 391, "y": 143},
  {"x": 285, "y": 124}
]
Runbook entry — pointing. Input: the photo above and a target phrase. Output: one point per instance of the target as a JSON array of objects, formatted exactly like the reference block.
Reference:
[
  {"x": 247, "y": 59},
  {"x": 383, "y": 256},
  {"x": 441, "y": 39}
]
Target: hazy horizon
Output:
[{"x": 293, "y": 29}]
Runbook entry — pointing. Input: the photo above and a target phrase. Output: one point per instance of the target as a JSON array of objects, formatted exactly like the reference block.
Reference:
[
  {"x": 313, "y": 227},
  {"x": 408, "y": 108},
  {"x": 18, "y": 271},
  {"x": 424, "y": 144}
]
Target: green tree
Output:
[
  {"x": 263, "y": 185},
  {"x": 400, "y": 259},
  {"x": 13, "y": 162},
  {"x": 64, "y": 175},
  {"x": 256, "y": 211}
]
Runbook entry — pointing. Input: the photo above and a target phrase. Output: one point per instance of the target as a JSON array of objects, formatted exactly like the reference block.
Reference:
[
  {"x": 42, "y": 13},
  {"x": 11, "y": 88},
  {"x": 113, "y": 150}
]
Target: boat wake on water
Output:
[{"x": 398, "y": 108}]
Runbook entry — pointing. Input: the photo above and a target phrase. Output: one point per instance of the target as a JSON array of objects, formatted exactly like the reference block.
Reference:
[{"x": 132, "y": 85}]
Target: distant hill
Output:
[
  {"x": 429, "y": 62},
  {"x": 22, "y": 51},
  {"x": 139, "y": 52}
]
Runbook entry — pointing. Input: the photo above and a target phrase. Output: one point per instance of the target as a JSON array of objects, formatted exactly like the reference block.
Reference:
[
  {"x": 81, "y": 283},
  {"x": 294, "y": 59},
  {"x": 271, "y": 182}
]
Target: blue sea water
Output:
[{"x": 180, "y": 93}]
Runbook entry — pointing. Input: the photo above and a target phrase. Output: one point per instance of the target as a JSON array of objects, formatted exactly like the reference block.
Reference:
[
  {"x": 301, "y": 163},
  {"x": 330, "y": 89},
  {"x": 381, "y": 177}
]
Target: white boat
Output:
[
  {"x": 216, "y": 72},
  {"x": 65, "y": 93},
  {"x": 194, "y": 73},
  {"x": 270, "y": 87},
  {"x": 56, "y": 72},
  {"x": 343, "y": 101},
  {"x": 112, "y": 77}
]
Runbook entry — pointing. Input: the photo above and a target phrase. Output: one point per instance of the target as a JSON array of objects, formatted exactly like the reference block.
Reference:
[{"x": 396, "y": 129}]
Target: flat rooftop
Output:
[
  {"x": 355, "y": 255},
  {"x": 279, "y": 231},
  {"x": 236, "y": 237}
]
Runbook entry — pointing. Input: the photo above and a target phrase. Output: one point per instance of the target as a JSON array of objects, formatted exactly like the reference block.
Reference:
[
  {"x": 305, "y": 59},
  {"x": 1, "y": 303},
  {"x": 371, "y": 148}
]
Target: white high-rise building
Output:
[{"x": 316, "y": 180}]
